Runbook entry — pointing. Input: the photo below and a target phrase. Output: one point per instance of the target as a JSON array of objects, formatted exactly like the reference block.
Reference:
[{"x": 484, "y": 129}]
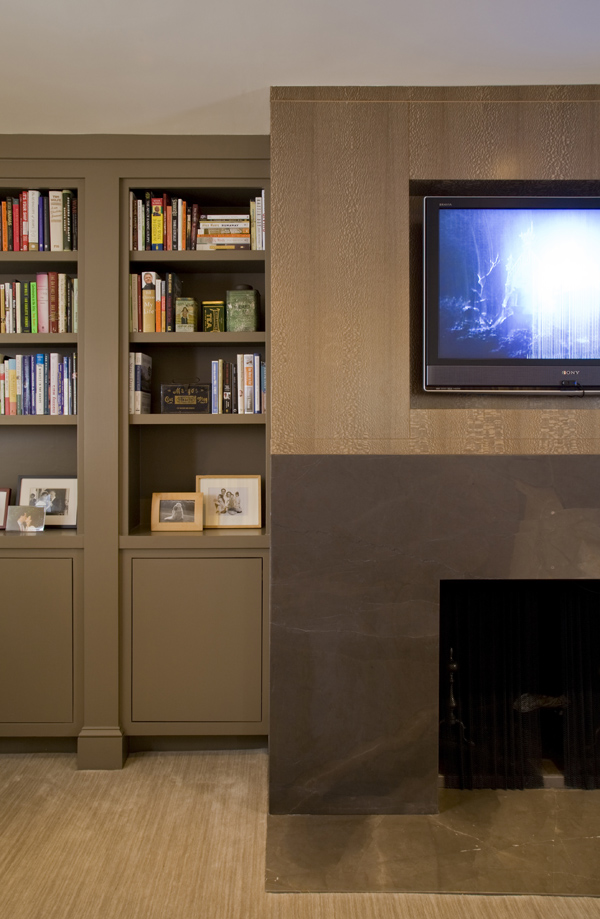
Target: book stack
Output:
[
  {"x": 240, "y": 387},
  {"x": 38, "y": 384},
  {"x": 48, "y": 304},
  {"x": 162, "y": 222},
  {"x": 140, "y": 383},
  {"x": 34, "y": 221}
]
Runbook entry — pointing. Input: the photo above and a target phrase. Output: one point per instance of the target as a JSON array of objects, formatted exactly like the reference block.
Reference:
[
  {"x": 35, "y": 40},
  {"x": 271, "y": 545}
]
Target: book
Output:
[
  {"x": 241, "y": 309},
  {"x": 26, "y": 307},
  {"x": 227, "y": 388},
  {"x": 148, "y": 301},
  {"x": 186, "y": 314},
  {"x": 256, "y": 381},
  {"x": 33, "y": 212},
  {"x": 67, "y": 199},
  {"x": 173, "y": 293},
  {"x": 249, "y": 384},
  {"x": 214, "y": 383},
  {"x": 39, "y": 384},
  {"x": 142, "y": 384},
  {"x": 240, "y": 384},
  {"x": 157, "y": 224},
  {"x": 34, "y": 306},
  {"x": 62, "y": 301},
  {"x": 53, "y": 301},
  {"x": 43, "y": 302},
  {"x": 55, "y": 209},
  {"x": 24, "y": 199}
]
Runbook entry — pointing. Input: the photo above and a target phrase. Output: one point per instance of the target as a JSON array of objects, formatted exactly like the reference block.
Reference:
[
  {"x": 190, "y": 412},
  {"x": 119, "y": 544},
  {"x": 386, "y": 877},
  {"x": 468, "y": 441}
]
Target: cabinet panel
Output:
[
  {"x": 197, "y": 639},
  {"x": 36, "y": 640}
]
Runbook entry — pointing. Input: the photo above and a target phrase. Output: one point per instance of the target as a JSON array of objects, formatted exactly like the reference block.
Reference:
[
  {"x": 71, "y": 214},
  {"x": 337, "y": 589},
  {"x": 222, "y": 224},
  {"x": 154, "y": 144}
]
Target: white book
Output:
[
  {"x": 55, "y": 206},
  {"x": 240, "y": 384},
  {"x": 33, "y": 203},
  {"x": 256, "y": 381},
  {"x": 131, "y": 207},
  {"x": 42, "y": 302},
  {"x": 54, "y": 383},
  {"x": 258, "y": 213},
  {"x": 62, "y": 302},
  {"x": 249, "y": 384},
  {"x": 19, "y": 359},
  {"x": 18, "y": 295},
  {"x": 75, "y": 283}
]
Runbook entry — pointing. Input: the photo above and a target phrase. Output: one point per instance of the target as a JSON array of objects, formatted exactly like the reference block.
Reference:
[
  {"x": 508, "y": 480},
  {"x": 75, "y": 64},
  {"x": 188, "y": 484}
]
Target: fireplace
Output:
[
  {"x": 361, "y": 545},
  {"x": 520, "y": 683}
]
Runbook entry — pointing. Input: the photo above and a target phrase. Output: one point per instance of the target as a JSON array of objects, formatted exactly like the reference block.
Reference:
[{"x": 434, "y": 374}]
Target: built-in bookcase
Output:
[
  {"x": 165, "y": 452},
  {"x": 41, "y": 444}
]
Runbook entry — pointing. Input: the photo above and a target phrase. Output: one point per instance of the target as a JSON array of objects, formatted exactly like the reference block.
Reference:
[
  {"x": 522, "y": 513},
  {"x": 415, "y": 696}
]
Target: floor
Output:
[{"x": 180, "y": 836}]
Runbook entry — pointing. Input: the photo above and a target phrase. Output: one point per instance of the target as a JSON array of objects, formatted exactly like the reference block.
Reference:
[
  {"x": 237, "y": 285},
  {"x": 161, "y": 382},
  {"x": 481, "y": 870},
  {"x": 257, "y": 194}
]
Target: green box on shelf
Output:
[
  {"x": 241, "y": 309},
  {"x": 213, "y": 315}
]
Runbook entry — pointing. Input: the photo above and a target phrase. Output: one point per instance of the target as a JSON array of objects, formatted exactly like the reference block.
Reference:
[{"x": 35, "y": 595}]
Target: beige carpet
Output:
[{"x": 176, "y": 836}]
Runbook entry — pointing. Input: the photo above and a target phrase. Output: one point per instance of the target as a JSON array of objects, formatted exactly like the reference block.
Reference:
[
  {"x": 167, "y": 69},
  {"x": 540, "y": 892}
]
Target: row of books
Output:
[
  {"x": 156, "y": 305},
  {"x": 240, "y": 387},
  {"x": 38, "y": 384},
  {"x": 164, "y": 222},
  {"x": 48, "y": 304},
  {"x": 35, "y": 221}
]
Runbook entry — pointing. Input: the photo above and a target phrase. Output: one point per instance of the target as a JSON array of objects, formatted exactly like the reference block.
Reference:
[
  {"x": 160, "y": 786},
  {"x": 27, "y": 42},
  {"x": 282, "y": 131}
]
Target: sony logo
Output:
[{"x": 569, "y": 373}]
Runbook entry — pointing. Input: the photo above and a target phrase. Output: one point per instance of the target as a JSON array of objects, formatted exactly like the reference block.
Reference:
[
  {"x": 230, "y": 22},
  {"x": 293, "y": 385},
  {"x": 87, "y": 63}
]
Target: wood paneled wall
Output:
[{"x": 346, "y": 309}]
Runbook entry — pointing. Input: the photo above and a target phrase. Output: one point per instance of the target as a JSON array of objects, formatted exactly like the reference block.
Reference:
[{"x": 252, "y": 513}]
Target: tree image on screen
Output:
[{"x": 519, "y": 284}]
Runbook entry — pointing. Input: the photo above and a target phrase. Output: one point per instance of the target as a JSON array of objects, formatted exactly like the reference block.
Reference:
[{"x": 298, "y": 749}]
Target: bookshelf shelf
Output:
[
  {"x": 224, "y": 261},
  {"x": 144, "y": 538},
  {"x": 32, "y": 340},
  {"x": 210, "y": 339},
  {"x": 51, "y": 538},
  {"x": 31, "y": 420},
  {"x": 33, "y": 261},
  {"x": 196, "y": 419}
]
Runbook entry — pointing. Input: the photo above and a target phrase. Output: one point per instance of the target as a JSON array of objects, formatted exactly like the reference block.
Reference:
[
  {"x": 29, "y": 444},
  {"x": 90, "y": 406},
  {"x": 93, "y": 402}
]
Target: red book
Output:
[
  {"x": 53, "y": 300},
  {"x": 16, "y": 225}
]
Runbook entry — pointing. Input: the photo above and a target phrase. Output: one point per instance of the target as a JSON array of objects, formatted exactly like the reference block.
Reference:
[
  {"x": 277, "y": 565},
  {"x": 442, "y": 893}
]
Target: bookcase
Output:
[
  {"x": 111, "y": 630},
  {"x": 206, "y": 602}
]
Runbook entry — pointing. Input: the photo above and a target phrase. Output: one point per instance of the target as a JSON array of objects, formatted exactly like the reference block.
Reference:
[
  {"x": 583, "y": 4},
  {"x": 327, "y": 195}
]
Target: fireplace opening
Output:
[{"x": 519, "y": 683}]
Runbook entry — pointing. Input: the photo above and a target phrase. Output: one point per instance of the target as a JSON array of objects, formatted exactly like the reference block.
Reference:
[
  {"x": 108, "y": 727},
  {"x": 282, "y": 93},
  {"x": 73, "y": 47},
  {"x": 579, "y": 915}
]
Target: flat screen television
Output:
[{"x": 512, "y": 294}]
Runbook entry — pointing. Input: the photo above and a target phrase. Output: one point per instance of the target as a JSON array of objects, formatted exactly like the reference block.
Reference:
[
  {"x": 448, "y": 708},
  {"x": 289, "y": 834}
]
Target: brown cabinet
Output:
[
  {"x": 197, "y": 642},
  {"x": 36, "y": 640}
]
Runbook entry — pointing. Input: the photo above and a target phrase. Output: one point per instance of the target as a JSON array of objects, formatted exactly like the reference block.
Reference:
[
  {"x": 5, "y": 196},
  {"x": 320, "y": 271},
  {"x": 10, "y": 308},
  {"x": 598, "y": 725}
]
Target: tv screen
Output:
[{"x": 512, "y": 294}]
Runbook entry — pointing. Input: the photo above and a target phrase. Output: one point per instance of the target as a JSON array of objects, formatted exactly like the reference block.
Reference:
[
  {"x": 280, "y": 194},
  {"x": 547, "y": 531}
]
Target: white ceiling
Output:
[{"x": 177, "y": 66}]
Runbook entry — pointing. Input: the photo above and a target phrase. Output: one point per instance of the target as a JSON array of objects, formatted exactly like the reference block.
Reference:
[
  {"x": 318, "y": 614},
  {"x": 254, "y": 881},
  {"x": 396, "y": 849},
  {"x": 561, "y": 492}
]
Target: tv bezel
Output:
[{"x": 501, "y": 375}]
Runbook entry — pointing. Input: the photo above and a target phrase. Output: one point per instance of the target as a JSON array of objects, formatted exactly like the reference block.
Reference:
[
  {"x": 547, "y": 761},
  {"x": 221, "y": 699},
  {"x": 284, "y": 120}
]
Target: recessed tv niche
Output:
[{"x": 512, "y": 294}]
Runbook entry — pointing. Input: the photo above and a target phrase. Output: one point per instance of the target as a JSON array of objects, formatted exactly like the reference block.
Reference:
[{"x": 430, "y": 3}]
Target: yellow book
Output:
[
  {"x": 148, "y": 301},
  {"x": 157, "y": 224}
]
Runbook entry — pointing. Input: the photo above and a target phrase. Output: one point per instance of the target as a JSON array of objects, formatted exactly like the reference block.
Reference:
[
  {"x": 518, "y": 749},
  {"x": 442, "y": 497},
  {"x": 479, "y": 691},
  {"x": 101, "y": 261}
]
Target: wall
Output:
[{"x": 349, "y": 168}]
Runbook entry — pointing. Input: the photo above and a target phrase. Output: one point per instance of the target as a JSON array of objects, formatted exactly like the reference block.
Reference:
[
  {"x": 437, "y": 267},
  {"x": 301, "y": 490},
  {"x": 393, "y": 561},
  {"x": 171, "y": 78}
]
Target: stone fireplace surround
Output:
[{"x": 360, "y": 545}]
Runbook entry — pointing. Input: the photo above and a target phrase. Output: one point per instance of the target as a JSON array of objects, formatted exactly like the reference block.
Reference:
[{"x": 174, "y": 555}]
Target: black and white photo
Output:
[
  {"x": 230, "y": 501},
  {"x": 56, "y": 495},
  {"x": 176, "y": 511}
]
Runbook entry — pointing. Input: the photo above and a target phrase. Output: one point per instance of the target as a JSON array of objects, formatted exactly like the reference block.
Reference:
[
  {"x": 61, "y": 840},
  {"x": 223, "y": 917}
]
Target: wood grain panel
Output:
[
  {"x": 539, "y": 93},
  {"x": 340, "y": 315},
  {"x": 510, "y": 140}
]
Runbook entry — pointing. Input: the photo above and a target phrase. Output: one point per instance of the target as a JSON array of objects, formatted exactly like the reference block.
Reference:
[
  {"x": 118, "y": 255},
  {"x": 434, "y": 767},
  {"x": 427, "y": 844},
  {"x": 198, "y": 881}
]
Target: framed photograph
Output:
[
  {"x": 57, "y": 494},
  {"x": 230, "y": 500},
  {"x": 176, "y": 510},
  {"x": 25, "y": 519},
  {"x": 4, "y": 502}
]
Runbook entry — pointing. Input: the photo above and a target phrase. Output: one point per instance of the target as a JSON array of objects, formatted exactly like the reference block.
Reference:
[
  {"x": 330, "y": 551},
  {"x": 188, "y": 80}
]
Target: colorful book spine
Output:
[
  {"x": 39, "y": 384},
  {"x": 214, "y": 384},
  {"x": 157, "y": 224},
  {"x": 34, "y": 307},
  {"x": 43, "y": 303},
  {"x": 55, "y": 208}
]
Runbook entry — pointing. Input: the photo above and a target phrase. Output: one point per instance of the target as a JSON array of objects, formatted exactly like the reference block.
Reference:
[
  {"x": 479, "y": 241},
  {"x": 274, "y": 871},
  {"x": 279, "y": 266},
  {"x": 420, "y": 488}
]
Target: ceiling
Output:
[{"x": 182, "y": 67}]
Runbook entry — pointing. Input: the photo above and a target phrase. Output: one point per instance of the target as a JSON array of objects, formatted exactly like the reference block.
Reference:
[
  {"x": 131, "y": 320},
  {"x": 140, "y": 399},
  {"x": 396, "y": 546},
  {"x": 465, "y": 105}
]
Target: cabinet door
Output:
[
  {"x": 197, "y": 639},
  {"x": 36, "y": 640}
]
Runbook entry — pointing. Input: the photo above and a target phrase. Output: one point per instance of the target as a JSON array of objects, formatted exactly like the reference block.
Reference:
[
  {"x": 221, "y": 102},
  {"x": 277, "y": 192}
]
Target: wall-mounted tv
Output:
[{"x": 512, "y": 294}]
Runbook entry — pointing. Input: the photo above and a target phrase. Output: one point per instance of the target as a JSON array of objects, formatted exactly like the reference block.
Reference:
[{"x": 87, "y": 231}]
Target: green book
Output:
[
  {"x": 33, "y": 305},
  {"x": 241, "y": 309}
]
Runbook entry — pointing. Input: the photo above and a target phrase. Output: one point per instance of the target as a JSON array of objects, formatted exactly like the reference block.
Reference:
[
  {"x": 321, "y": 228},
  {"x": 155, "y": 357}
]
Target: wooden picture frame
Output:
[
  {"x": 4, "y": 502},
  {"x": 230, "y": 500},
  {"x": 176, "y": 511},
  {"x": 57, "y": 494}
]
